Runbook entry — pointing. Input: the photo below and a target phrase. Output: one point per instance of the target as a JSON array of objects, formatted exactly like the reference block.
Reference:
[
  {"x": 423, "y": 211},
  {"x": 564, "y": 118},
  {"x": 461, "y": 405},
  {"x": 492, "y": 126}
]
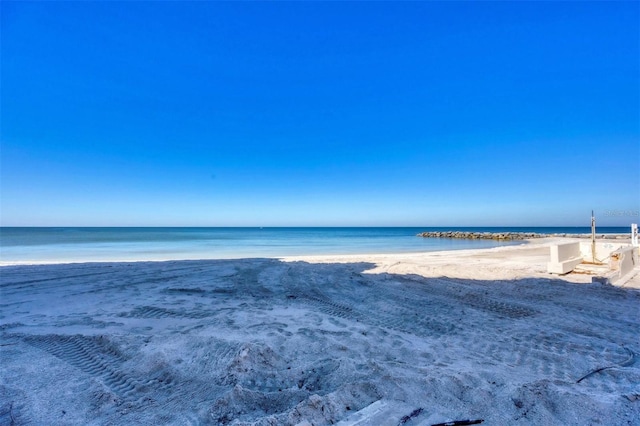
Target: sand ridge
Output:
[{"x": 479, "y": 334}]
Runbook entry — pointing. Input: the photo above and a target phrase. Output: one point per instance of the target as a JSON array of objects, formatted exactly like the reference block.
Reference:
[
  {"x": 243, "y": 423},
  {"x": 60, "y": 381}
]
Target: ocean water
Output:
[{"x": 39, "y": 245}]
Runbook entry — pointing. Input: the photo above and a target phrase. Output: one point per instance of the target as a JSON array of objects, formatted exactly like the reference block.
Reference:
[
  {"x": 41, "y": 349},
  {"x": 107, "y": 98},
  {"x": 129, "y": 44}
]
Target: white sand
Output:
[{"x": 476, "y": 334}]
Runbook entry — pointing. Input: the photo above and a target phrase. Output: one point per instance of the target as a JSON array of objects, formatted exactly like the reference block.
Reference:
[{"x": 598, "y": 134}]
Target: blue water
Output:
[{"x": 24, "y": 245}]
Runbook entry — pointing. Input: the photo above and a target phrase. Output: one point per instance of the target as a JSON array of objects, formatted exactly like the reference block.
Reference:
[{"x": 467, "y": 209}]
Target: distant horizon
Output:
[{"x": 337, "y": 226}]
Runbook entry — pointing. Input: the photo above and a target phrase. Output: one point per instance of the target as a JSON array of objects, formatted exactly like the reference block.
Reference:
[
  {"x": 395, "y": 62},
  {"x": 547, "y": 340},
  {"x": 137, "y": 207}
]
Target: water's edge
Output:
[{"x": 66, "y": 245}]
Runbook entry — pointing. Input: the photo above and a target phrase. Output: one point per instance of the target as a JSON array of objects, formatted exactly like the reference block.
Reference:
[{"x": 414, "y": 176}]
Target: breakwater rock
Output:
[{"x": 511, "y": 236}]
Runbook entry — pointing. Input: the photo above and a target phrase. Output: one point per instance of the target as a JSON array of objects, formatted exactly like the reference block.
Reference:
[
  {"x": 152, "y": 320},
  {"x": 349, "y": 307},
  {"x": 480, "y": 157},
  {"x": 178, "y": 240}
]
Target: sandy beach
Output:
[{"x": 415, "y": 339}]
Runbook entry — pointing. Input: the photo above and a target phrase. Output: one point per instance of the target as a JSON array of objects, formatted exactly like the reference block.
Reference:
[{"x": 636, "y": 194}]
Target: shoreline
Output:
[
  {"x": 528, "y": 242},
  {"x": 81, "y": 245},
  {"x": 526, "y": 259},
  {"x": 236, "y": 257}
]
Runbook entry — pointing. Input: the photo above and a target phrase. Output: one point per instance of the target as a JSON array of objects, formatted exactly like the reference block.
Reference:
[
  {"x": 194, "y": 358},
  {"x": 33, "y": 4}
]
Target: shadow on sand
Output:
[{"x": 262, "y": 341}]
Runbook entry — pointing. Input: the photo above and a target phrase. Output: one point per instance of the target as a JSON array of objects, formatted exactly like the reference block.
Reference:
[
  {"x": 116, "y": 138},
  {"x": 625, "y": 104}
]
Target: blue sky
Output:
[{"x": 319, "y": 114}]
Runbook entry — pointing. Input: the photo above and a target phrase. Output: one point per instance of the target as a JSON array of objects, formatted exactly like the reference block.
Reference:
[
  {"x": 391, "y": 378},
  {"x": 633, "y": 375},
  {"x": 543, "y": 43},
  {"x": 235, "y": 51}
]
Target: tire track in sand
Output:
[
  {"x": 99, "y": 358},
  {"x": 402, "y": 320},
  {"x": 154, "y": 312}
]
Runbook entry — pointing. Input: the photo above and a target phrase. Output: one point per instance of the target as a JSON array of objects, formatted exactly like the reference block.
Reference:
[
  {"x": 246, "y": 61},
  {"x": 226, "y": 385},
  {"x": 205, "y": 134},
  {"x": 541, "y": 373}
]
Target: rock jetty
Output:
[{"x": 510, "y": 236}]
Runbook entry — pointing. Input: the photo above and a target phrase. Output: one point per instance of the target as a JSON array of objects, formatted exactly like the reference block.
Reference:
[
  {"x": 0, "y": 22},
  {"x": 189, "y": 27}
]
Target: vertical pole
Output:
[
  {"x": 634, "y": 234},
  {"x": 593, "y": 237}
]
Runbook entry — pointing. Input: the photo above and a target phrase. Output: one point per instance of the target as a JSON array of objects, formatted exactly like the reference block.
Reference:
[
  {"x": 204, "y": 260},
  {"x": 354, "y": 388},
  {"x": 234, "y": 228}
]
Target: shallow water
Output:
[{"x": 37, "y": 245}]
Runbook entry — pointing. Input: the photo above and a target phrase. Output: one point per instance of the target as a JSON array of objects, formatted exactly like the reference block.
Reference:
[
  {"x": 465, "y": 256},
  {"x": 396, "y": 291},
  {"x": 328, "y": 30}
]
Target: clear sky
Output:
[{"x": 319, "y": 114}]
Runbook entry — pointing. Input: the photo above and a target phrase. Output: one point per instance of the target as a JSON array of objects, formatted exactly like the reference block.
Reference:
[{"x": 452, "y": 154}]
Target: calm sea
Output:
[{"x": 37, "y": 245}]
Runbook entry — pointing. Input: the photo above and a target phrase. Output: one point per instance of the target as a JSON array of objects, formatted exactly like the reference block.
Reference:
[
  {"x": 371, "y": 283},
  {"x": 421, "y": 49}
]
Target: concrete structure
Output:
[
  {"x": 623, "y": 261},
  {"x": 603, "y": 250},
  {"x": 614, "y": 263},
  {"x": 619, "y": 258},
  {"x": 623, "y": 266},
  {"x": 564, "y": 257}
]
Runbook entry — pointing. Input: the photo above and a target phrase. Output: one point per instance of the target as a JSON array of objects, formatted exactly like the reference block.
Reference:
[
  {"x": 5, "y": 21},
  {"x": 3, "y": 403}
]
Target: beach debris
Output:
[
  {"x": 626, "y": 363},
  {"x": 414, "y": 413},
  {"x": 460, "y": 423}
]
